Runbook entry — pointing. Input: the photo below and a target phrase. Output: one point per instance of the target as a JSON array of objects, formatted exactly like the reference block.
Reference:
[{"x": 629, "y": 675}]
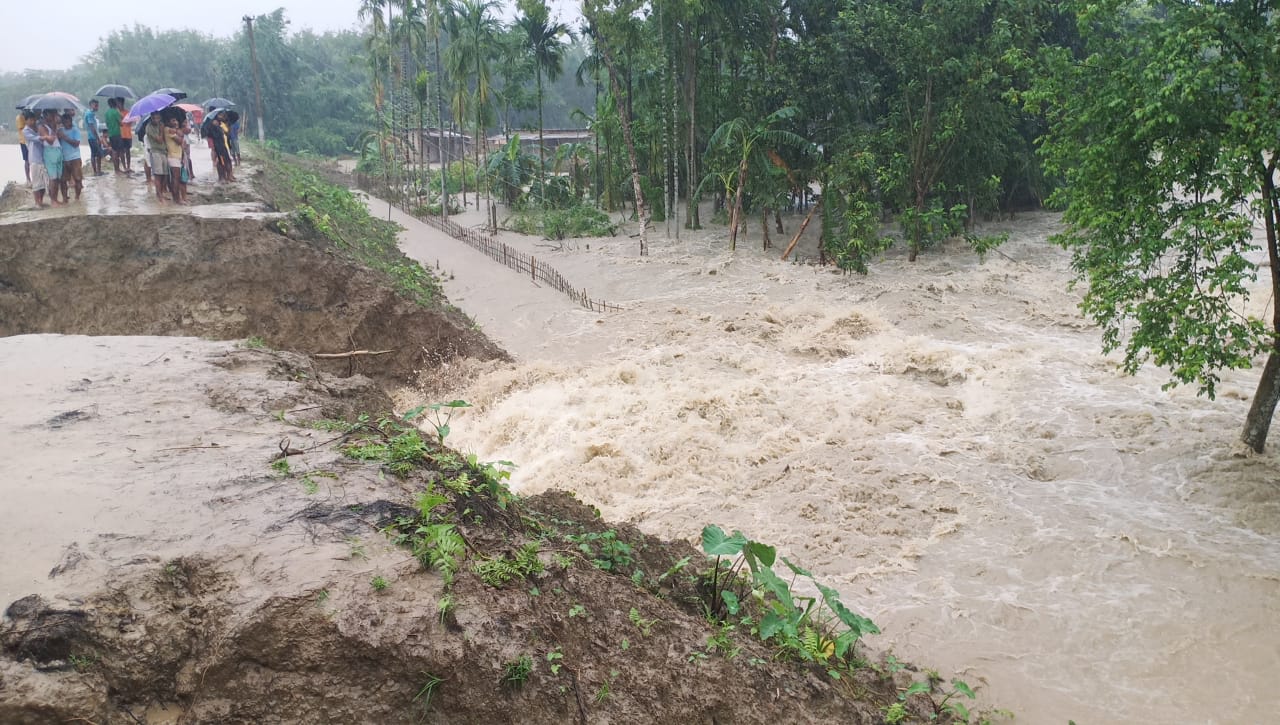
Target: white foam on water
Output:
[{"x": 941, "y": 441}]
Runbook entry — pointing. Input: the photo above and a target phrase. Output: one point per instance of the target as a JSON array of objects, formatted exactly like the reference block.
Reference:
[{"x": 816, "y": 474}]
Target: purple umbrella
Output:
[{"x": 148, "y": 104}]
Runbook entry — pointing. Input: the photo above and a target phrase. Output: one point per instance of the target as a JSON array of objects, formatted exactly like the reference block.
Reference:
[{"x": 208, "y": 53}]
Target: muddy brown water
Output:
[{"x": 943, "y": 441}]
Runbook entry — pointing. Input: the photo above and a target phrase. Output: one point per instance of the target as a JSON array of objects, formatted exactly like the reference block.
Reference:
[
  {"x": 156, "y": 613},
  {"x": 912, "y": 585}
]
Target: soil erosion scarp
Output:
[{"x": 221, "y": 279}]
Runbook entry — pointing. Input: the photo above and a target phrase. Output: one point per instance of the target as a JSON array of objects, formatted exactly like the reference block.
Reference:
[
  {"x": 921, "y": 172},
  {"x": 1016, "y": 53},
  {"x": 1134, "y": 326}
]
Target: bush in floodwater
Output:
[{"x": 581, "y": 220}]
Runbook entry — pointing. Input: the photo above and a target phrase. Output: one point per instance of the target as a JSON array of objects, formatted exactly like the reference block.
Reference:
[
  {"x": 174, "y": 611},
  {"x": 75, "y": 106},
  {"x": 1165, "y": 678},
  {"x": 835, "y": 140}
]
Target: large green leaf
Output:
[
  {"x": 757, "y": 553},
  {"x": 796, "y": 568},
  {"x": 716, "y": 543},
  {"x": 780, "y": 590}
]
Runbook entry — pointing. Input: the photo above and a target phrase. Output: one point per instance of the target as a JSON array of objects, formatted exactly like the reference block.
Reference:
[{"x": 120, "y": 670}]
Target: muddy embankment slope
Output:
[{"x": 186, "y": 539}]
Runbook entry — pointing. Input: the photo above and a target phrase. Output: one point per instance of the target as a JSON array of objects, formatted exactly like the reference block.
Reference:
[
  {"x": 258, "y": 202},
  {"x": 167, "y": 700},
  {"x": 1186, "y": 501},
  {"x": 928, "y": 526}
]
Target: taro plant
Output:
[
  {"x": 440, "y": 415},
  {"x": 813, "y": 628}
]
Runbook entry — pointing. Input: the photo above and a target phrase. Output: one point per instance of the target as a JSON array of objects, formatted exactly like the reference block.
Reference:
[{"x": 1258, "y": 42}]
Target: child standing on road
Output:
[{"x": 91, "y": 135}]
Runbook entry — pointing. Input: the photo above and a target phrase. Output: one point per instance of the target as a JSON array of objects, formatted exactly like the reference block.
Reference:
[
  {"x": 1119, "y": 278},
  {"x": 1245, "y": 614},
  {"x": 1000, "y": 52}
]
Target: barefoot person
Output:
[
  {"x": 52, "y": 152},
  {"x": 157, "y": 155},
  {"x": 221, "y": 147},
  {"x": 35, "y": 156},
  {"x": 112, "y": 118},
  {"x": 91, "y": 135},
  {"x": 173, "y": 148},
  {"x": 126, "y": 137},
  {"x": 72, "y": 171}
]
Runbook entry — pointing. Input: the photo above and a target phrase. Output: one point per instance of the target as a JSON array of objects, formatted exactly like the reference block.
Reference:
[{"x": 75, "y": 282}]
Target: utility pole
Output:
[{"x": 257, "y": 85}]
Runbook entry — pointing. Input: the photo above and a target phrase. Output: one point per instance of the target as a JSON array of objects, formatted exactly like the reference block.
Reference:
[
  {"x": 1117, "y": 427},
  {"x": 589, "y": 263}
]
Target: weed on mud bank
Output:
[{"x": 324, "y": 210}]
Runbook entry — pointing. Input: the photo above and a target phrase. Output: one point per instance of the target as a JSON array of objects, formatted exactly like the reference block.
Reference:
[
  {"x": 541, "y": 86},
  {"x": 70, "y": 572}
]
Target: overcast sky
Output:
[{"x": 71, "y": 29}]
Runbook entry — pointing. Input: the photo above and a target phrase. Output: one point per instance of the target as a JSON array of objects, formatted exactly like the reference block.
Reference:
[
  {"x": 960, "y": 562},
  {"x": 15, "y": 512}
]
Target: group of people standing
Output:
[
  {"x": 53, "y": 146},
  {"x": 168, "y": 156},
  {"x": 51, "y": 149}
]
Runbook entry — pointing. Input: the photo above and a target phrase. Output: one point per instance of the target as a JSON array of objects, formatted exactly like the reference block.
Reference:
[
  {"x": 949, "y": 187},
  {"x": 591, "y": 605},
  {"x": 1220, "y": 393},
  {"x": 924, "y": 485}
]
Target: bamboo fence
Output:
[
  {"x": 499, "y": 252},
  {"x": 520, "y": 262}
]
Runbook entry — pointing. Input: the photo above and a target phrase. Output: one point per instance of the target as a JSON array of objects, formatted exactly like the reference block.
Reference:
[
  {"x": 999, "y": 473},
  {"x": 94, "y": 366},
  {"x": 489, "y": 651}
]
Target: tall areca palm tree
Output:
[
  {"x": 545, "y": 41},
  {"x": 371, "y": 11},
  {"x": 473, "y": 30},
  {"x": 408, "y": 33}
]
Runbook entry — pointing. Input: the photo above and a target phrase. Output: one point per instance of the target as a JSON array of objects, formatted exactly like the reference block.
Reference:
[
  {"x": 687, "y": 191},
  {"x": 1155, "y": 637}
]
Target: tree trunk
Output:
[
  {"x": 622, "y": 104},
  {"x": 542, "y": 146},
  {"x": 1258, "y": 422},
  {"x": 777, "y": 220},
  {"x": 735, "y": 214},
  {"x": 764, "y": 228},
  {"x": 692, "y": 218},
  {"x": 444, "y": 165},
  {"x": 914, "y": 248}
]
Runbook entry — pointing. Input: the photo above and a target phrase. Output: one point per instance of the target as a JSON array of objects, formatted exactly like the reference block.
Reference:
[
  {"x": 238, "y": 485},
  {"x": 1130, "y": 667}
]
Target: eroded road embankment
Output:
[{"x": 175, "y": 274}]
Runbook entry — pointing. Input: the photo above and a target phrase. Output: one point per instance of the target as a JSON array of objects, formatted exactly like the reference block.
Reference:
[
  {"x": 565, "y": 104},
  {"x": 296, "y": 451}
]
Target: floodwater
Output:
[{"x": 942, "y": 441}]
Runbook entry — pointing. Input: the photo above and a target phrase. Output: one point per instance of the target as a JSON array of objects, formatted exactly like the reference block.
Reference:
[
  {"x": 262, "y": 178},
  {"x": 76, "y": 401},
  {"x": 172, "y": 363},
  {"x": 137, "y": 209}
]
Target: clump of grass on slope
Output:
[{"x": 333, "y": 213}]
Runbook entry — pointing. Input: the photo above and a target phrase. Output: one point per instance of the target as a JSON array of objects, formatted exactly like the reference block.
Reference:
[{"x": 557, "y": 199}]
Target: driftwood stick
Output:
[
  {"x": 350, "y": 354},
  {"x": 803, "y": 226}
]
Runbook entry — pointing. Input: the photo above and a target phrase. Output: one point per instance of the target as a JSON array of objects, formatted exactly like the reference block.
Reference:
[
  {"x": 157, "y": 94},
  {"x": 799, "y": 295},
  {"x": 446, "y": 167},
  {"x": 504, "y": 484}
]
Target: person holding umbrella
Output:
[
  {"x": 215, "y": 127},
  {"x": 35, "y": 150},
  {"x": 72, "y": 171},
  {"x": 157, "y": 159},
  {"x": 112, "y": 118}
]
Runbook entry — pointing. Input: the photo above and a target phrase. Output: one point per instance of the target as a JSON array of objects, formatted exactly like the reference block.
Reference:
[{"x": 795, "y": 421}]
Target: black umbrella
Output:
[
  {"x": 52, "y": 102},
  {"x": 177, "y": 94},
  {"x": 114, "y": 90},
  {"x": 217, "y": 103},
  {"x": 22, "y": 105}
]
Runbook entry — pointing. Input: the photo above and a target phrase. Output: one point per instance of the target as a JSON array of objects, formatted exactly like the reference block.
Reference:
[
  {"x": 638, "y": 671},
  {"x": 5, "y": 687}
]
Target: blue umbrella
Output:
[{"x": 153, "y": 102}]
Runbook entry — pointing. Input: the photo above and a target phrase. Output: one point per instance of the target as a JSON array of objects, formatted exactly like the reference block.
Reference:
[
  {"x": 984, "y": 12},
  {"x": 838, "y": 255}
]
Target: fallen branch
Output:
[
  {"x": 803, "y": 226},
  {"x": 351, "y": 354}
]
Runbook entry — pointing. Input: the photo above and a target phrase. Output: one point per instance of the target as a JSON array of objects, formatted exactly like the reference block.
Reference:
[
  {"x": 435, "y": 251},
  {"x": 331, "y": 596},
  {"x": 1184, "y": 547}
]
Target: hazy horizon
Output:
[{"x": 81, "y": 24}]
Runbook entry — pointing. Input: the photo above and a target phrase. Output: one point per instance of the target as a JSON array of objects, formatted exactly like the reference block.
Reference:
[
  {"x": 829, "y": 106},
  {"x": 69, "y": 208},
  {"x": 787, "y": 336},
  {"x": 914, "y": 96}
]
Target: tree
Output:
[
  {"x": 546, "y": 43},
  {"x": 937, "y": 70},
  {"x": 753, "y": 146},
  {"x": 612, "y": 23},
  {"x": 1166, "y": 130},
  {"x": 474, "y": 31}
]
